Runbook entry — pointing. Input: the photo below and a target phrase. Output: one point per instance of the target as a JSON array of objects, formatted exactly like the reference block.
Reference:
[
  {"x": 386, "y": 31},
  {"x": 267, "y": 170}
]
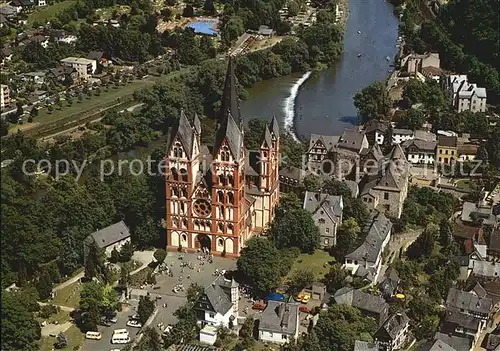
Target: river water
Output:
[{"x": 322, "y": 103}]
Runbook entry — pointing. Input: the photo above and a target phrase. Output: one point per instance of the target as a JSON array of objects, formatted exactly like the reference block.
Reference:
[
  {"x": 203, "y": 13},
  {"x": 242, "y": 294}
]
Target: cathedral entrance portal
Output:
[{"x": 204, "y": 242}]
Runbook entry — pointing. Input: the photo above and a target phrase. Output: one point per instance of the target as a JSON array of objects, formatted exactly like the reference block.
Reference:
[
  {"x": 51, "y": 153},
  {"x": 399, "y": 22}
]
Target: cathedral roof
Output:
[
  {"x": 275, "y": 128},
  {"x": 197, "y": 124},
  {"x": 268, "y": 139},
  {"x": 229, "y": 102},
  {"x": 229, "y": 117},
  {"x": 185, "y": 134}
]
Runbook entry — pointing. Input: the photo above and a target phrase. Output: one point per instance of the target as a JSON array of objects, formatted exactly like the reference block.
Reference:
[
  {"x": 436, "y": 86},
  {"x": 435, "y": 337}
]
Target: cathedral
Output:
[{"x": 218, "y": 196}]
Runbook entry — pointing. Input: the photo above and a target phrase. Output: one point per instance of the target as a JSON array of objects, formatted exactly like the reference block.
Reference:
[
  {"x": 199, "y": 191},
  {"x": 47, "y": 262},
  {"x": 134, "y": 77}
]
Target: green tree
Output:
[
  {"x": 254, "y": 133},
  {"x": 424, "y": 245},
  {"x": 340, "y": 326},
  {"x": 300, "y": 279},
  {"x": 294, "y": 228},
  {"x": 126, "y": 252},
  {"x": 372, "y": 102},
  {"x": 246, "y": 333},
  {"x": 259, "y": 265},
  {"x": 194, "y": 292},
  {"x": 347, "y": 237},
  {"x": 115, "y": 256},
  {"x": 145, "y": 309},
  {"x": 94, "y": 263},
  {"x": 34, "y": 112},
  {"x": 20, "y": 331},
  {"x": 151, "y": 341},
  {"x": 312, "y": 182},
  {"x": 50, "y": 109},
  {"x": 44, "y": 286},
  {"x": 160, "y": 255},
  {"x": 412, "y": 119},
  {"x": 335, "y": 278}
]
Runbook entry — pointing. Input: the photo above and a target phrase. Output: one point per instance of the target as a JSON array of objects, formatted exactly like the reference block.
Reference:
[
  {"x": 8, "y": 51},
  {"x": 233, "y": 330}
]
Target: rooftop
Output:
[
  {"x": 463, "y": 300},
  {"x": 110, "y": 235},
  {"x": 360, "y": 300},
  {"x": 330, "y": 205},
  {"x": 280, "y": 317},
  {"x": 377, "y": 229}
]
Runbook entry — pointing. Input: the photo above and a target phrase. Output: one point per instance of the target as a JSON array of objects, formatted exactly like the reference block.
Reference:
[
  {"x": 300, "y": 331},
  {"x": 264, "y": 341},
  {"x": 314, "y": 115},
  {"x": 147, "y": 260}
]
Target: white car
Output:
[{"x": 134, "y": 324}]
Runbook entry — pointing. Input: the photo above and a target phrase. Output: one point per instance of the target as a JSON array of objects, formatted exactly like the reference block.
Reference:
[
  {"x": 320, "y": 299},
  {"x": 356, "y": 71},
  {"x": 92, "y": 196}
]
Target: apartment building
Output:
[
  {"x": 465, "y": 96},
  {"x": 85, "y": 68},
  {"x": 4, "y": 95}
]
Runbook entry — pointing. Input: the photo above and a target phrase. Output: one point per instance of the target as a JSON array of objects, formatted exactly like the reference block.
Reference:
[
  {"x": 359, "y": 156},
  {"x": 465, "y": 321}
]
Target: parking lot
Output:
[{"x": 105, "y": 343}]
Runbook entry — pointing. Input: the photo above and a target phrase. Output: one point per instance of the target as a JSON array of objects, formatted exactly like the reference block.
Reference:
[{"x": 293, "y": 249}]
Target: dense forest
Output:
[{"x": 466, "y": 36}]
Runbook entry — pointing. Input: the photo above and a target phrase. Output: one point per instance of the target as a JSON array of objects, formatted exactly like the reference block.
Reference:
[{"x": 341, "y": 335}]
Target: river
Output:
[{"x": 322, "y": 102}]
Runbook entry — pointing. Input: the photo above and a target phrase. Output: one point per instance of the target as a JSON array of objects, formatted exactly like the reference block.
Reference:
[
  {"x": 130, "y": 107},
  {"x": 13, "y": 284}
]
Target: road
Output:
[
  {"x": 69, "y": 281},
  {"x": 64, "y": 308}
]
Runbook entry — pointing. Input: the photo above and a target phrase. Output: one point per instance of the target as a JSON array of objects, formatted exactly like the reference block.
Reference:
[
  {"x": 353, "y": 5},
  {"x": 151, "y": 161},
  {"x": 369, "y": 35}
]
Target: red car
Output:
[
  {"x": 304, "y": 309},
  {"x": 259, "y": 306}
]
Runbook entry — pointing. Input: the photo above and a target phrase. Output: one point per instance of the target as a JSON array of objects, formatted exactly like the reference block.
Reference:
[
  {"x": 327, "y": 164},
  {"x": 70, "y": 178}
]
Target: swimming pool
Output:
[{"x": 208, "y": 27}]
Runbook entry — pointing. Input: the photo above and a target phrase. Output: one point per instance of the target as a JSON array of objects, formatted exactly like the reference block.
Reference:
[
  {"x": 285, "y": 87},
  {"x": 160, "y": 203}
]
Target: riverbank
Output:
[{"x": 324, "y": 101}]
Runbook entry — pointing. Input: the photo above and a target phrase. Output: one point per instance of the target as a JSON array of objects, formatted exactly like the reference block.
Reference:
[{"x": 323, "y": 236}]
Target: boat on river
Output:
[{"x": 359, "y": 55}]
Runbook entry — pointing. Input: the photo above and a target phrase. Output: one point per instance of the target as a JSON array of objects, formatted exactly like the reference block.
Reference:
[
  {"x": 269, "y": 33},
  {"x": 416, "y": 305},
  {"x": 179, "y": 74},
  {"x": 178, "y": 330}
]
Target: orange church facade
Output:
[{"x": 218, "y": 198}]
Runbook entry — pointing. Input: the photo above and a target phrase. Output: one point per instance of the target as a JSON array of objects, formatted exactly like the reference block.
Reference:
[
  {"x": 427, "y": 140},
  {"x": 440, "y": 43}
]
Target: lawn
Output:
[
  {"x": 74, "y": 336},
  {"x": 315, "y": 262},
  {"x": 465, "y": 184},
  {"x": 61, "y": 317},
  {"x": 75, "y": 111},
  {"x": 68, "y": 296},
  {"x": 44, "y": 14}
]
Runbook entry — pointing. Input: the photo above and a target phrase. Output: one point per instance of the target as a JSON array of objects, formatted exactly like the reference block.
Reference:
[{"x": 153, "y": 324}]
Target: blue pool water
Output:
[{"x": 204, "y": 27}]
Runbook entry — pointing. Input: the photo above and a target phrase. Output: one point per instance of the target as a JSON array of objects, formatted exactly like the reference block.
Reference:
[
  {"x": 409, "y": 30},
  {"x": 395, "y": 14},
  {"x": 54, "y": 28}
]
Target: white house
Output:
[
  {"x": 84, "y": 67},
  {"x": 279, "y": 322},
  {"x": 219, "y": 303},
  {"x": 208, "y": 335},
  {"x": 401, "y": 135},
  {"x": 109, "y": 238},
  {"x": 465, "y": 96},
  {"x": 420, "y": 151},
  {"x": 367, "y": 258}
]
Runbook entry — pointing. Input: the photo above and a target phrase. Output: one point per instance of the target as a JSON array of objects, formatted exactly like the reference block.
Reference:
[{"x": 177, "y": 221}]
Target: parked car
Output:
[
  {"x": 134, "y": 317},
  {"x": 259, "y": 306},
  {"x": 105, "y": 323},
  {"x": 304, "y": 309},
  {"x": 305, "y": 299},
  {"x": 134, "y": 324},
  {"x": 113, "y": 319}
]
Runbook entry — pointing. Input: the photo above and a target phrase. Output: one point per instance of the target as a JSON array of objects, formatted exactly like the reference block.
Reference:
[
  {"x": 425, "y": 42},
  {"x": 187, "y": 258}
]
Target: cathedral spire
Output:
[{"x": 230, "y": 104}]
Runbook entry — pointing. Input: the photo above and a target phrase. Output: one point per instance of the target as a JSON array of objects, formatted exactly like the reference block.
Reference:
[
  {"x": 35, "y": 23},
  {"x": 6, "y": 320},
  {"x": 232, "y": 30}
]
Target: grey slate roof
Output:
[
  {"x": 110, "y": 235},
  {"x": 218, "y": 299},
  {"x": 351, "y": 139},
  {"x": 267, "y": 139},
  {"x": 456, "y": 342},
  {"x": 402, "y": 131},
  {"x": 420, "y": 145},
  {"x": 328, "y": 141},
  {"x": 280, "y": 317},
  {"x": 230, "y": 132},
  {"x": 494, "y": 243},
  {"x": 486, "y": 269},
  {"x": 274, "y": 127},
  {"x": 378, "y": 228},
  {"x": 229, "y": 102},
  {"x": 466, "y": 321},
  {"x": 365, "y": 346},
  {"x": 460, "y": 299},
  {"x": 292, "y": 173},
  {"x": 360, "y": 300},
  {"x": 393, "y": 325},
  {"x": 437, "y": 345},
  {"x": 447, "y": 141},
  {"x": 192, "y": 347},
  {"x": 197, "y": 124},
  {"x": 492, "y": 342},
  {"x": 393, "y": 174},
  {"x": 331, "y": 205}
]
